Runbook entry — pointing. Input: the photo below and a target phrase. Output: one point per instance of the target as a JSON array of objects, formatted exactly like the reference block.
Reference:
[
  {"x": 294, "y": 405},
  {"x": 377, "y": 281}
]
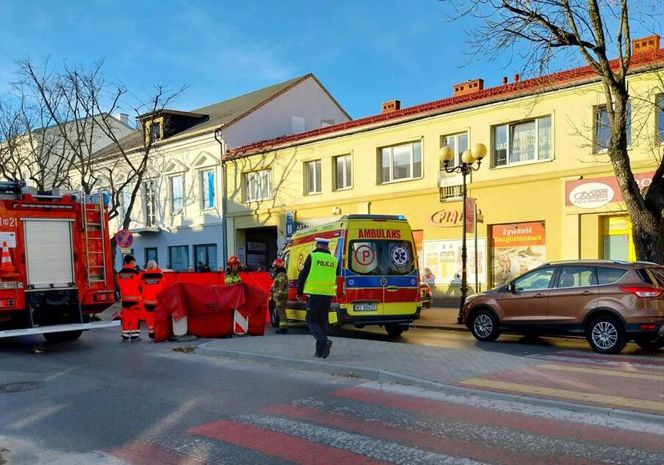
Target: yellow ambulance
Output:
[{"x": 377, "y": 278}]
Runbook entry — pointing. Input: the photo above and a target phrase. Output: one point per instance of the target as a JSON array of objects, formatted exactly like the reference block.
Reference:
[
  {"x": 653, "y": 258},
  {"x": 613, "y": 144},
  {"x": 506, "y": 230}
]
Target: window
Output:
[
  {"x": 576, "y": 276},
  {"x": 660, "y": 118},
  {"x": 177, "y": 193},
  {"x": 149, "y": 195},
  {"x": 151, "y": 253},
  {"x": 522, "y": 142},
  {"x": 312, "y": 171},
  {"x": 178, "y": 258},
  {"x": 381, "y": 257},
  {"x": 207, "y": 189},
  {"x": 125, "y": 200},
  {"x": 155, "y": 132},
  {"x": 205, "y": 257},
  {"x": 458, "y": 143},
  {"x": 609, "y": 275},
  {"x": 258, "y": 185},
  {"x": 602, "y": 134},
  {"x": 343, "y": 172},
  {"x": 536, "y": 280},
  {"x": 401, "y": 162}
]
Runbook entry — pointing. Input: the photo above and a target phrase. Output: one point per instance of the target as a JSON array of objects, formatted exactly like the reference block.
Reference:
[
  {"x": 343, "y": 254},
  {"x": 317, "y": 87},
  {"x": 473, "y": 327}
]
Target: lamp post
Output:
[{"x": 470, "y": 161}]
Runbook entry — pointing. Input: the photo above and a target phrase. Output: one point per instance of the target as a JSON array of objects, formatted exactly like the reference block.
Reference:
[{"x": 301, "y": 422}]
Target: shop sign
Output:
[
  {"x": 447, "y": 218},
  {"x": 591, "y": 195},
  {"x": 597, "y": 192},
  {"x": 515, "y": 249},
  {"x": 470, "y": 215}
]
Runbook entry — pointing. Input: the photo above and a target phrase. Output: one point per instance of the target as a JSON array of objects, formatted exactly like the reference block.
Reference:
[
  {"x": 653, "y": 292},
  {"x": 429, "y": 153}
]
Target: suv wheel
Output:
[
  {"x": 651, "y": 344},
  {"x": 484, "y": 325},
  {"x": 606, "y": 335}
]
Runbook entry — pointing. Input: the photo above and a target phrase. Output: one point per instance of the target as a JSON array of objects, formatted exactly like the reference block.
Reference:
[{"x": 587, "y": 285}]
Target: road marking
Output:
[
  {"x": 600, "y": 371},
  {"x": 615, "y": 401}
]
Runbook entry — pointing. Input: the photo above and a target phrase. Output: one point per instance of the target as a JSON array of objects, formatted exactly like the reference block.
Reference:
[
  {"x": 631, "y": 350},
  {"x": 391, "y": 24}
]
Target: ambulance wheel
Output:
[
  {"x": 394, "y": 331},
  {"x": 274, "y": 318},
  {"x": 63, "y": 337}
]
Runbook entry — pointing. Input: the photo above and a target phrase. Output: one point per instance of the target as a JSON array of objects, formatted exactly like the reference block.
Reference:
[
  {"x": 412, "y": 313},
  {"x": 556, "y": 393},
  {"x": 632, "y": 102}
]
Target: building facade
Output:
[
  {"x": 177, "y": 218},
  {"x": 544, "y": 192}
]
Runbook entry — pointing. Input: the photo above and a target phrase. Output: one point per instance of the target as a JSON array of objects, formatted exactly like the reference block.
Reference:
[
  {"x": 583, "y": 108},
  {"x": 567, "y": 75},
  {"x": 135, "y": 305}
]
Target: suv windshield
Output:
[{"x": 380, "y": 257}]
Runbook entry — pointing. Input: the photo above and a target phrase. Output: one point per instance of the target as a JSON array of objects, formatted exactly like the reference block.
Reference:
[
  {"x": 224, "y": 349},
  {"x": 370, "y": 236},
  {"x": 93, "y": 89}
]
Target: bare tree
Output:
[{"x": 541, "y": 30}]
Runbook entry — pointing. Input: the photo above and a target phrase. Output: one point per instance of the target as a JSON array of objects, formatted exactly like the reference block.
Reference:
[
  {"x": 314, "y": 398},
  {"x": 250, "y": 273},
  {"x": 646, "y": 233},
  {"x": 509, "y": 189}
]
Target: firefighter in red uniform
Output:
[
  {"x": 153, "y": 283},
  {"x": 129, "y": 282}
]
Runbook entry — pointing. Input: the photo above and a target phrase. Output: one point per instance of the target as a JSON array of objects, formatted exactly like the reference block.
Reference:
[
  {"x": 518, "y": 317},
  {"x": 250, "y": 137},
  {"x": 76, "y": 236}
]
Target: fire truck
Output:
[{"x": 55, "y": 269}]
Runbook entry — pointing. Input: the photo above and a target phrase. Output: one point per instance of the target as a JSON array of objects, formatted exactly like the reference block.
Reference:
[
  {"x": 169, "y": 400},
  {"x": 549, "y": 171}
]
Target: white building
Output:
[{"x": 178, "y": 220}]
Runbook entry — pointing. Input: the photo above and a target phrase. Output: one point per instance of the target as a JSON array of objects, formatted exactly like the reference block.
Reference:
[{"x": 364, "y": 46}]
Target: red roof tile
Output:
[{"x": 502, "y": 92}]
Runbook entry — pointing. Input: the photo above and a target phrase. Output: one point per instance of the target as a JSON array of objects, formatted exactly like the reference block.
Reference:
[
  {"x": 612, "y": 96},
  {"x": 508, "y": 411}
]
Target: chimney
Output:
[
  {"x": 504, "y": 80},
  {"x": 517, "y": 78},
  {"x": 391, "y": 105},
  {"x": 124, "y": 118},
  {"x": 468, "y": 87},
  {"x": 645, "y": 44}
]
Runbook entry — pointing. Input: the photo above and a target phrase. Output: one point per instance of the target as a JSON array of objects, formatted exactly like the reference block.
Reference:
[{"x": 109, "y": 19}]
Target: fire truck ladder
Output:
[{"x": 95, "y": 245}]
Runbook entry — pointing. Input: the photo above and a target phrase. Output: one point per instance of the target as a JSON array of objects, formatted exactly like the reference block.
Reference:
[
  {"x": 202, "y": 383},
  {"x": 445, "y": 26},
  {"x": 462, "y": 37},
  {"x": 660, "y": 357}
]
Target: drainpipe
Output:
[{"x": 218, "y": 136}]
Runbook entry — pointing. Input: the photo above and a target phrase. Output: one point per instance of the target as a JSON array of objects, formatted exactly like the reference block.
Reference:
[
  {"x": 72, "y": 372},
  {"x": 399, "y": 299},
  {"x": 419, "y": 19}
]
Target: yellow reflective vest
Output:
[{"x": 322, "y": 278}]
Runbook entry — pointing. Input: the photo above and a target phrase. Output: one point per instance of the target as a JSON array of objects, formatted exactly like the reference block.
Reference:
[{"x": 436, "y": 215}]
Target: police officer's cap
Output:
[{"x": 322, "y": 241}]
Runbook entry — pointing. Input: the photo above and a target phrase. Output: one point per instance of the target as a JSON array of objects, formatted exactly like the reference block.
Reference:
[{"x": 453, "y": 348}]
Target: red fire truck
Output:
[{"x": 55, "y": 268}]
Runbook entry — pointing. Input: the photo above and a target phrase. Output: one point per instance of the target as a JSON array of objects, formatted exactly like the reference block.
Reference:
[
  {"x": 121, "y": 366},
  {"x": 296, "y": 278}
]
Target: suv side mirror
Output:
[{"x": 511, "y": 287}]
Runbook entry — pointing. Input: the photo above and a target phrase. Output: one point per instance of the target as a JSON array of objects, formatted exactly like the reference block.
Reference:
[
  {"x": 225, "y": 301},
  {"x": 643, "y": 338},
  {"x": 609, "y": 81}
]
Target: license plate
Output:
[
  {"x": 365, "y": 307},
  {"x": 11, "y": 285}
]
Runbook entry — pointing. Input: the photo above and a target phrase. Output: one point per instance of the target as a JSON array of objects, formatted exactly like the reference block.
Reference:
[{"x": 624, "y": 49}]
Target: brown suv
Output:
[{"x": 609, "y": 302}]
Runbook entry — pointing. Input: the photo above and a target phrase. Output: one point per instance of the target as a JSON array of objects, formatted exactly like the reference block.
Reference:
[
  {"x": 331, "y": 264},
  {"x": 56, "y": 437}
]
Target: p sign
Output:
[
  {"x": 124, "y": 238},
  {"x": 364, "y": 257}
]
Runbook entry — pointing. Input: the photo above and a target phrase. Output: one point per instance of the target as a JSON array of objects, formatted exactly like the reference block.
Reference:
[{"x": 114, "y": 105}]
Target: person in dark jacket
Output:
[{"x": 318, "y": 279}]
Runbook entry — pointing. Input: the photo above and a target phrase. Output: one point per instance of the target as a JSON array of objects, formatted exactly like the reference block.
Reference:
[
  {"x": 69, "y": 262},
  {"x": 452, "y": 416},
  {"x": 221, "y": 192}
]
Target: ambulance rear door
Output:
[{"x": 49, "y": 254}]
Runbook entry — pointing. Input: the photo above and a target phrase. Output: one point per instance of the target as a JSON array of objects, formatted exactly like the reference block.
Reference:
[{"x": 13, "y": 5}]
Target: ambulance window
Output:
[{"x": 381, "y": 257}]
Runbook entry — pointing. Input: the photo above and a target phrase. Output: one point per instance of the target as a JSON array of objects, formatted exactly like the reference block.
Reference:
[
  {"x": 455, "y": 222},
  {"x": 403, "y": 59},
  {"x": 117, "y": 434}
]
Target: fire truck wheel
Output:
[
  {"x": 394, "y": 331},
  {"x": 63, "y": 337}
]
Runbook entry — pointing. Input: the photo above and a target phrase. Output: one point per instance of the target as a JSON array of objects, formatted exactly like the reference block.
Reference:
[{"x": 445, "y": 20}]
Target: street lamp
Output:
[{"x": 470, "y": 161}]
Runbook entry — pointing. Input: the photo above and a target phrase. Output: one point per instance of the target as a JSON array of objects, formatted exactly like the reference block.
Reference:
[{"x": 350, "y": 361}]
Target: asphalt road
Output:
[{"x": 100, "y": 401}]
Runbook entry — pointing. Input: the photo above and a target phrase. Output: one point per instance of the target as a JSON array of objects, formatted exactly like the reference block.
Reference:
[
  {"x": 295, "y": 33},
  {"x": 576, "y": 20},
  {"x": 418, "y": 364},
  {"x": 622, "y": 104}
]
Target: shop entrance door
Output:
[{"x": 617, "y": 239}]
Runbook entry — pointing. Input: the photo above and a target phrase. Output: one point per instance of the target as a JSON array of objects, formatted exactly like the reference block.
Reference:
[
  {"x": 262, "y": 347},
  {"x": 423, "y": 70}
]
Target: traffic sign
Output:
[{"x": 124, "y": 238}]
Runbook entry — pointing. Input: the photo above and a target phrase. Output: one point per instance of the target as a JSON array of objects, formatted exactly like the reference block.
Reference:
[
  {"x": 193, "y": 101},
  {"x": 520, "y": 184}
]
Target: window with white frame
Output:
[
  {"x": 400, "y": 162},
  {"x": 343, "y": 172},
  {"x": 206, "y": 179},
  {"x": 125, "y": 200},
  {"x": 177, "y": 193},
  {"x": 150, "y": 200},
  {"x": 312, "y": 183},
  {"x": 660, "y": 118},
  {"x": 522, "y": 142},
  {"x": 258, "y": 185},
  {"x": 602, "y": 129},
  {"x": 458, "y": 143}
]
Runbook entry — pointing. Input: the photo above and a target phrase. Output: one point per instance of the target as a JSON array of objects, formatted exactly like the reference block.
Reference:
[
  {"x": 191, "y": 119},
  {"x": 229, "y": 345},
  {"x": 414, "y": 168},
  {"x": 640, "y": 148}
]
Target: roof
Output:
[
  {"x": 222, "y": 113},
  {"x": 503, "y": 92}
]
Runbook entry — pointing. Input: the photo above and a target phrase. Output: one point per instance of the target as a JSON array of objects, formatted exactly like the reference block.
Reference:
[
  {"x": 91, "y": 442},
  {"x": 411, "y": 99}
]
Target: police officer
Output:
[
  {"x": 318, "y": 279},
  {"x": 280, "y": 293},
  {"x": 153, "y": 282},
  {"x": 232, "y": 271},
  {"x": 129, "y": 282}
]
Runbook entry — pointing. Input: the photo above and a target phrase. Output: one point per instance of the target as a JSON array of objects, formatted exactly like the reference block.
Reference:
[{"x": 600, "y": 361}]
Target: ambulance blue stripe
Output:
[{"x": 353, "y": 282}]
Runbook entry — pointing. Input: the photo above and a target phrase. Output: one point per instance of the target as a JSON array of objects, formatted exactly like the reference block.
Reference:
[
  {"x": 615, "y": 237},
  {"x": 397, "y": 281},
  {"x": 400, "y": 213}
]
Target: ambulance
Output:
[{"x": 377, "y": 277}]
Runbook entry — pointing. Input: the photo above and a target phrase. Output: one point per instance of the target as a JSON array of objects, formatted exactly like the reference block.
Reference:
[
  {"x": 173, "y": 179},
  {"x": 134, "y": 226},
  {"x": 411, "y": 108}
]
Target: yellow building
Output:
[{"x": 544, "y": 192}]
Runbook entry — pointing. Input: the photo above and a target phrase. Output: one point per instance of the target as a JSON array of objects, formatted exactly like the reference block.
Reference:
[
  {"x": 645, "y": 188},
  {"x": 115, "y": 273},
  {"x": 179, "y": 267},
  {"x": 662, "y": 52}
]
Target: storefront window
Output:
[{"x": 516, "y": 249}]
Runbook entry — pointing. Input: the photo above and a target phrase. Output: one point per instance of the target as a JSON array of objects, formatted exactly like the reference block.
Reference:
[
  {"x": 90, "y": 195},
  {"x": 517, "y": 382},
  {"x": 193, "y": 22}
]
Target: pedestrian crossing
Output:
[
  {"x": 630, "y": 383},
  {"x": 373, "y": 423}
]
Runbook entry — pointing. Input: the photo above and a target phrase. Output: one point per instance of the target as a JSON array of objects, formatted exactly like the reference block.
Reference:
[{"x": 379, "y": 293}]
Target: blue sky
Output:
[{"x": 363, "y": 51}]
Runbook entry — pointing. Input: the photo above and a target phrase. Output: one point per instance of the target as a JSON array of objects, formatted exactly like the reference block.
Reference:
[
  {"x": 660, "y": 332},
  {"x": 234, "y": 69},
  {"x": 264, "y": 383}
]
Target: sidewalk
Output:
[{"x": 439, "y": 318}]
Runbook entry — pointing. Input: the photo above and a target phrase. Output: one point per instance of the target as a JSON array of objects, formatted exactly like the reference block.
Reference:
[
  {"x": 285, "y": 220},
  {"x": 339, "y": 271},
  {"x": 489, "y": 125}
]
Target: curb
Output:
[
  {"x": 459, "y": 328},
  {"x": 386, "y": 376}
]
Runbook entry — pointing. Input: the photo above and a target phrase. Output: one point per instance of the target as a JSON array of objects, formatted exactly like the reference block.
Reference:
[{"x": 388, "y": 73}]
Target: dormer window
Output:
[{"x": 155, "y": 132}]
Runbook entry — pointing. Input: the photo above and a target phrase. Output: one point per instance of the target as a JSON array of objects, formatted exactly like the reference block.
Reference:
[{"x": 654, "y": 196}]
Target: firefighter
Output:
[
  {"x": 279, "y": 291},
  {"x": 232, "y": 271},
  {"x": 129, "y": 282},
  {"x": 153, "y": 283},
  {"x": 318, "y": 279}
]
